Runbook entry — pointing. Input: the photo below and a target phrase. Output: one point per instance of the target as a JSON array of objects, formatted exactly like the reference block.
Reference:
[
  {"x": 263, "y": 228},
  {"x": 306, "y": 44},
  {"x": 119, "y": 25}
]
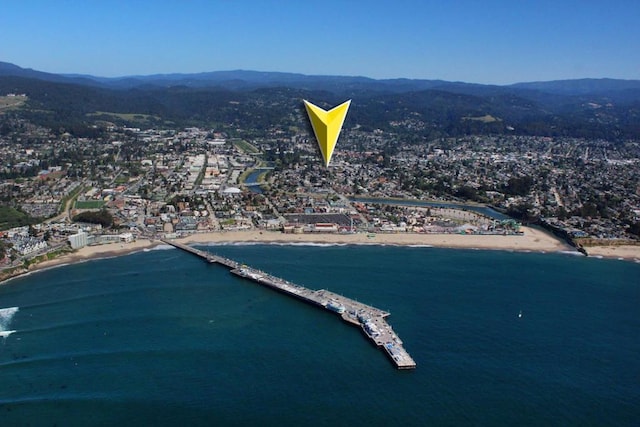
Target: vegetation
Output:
[
  {"x": 487, "y": 118},
  {"x": 200, "y": 176},
  {"x": 445, "y": 110},
  {"x": 519, "y": 185},
  {"x": 11, "y": 102},
  {"x": 89, "y": 204},
  {"x": 13, "y": 217},
  {"x": 470, "y": 193},
  {"x": 245, "y": 146},
  {"x": 3, "y": 248},
  {"x": 50, "y": 255},
  {"x": 102, "y": 217},
  {"x": 522, "y": 212},
  {"x": 634, "y": 228},
  {"x": 69, "y": 197},
  {"x": 127, "y": 117}
]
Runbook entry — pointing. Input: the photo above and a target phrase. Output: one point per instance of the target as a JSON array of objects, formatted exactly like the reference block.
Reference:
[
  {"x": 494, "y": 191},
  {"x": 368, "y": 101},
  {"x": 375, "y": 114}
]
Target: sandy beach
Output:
[
  {"x": 626, "y": 252},
  {"x": 533, "y": 240},
  {"x": 98, "y": 251}
]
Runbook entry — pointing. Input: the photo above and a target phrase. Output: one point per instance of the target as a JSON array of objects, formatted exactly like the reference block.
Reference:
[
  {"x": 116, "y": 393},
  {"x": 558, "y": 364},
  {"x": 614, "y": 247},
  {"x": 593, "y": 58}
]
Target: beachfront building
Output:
[
  {"x": 78, "y": 240},
  {"x": 116, "y": 238},
  {"x": 30, "y": 245}
]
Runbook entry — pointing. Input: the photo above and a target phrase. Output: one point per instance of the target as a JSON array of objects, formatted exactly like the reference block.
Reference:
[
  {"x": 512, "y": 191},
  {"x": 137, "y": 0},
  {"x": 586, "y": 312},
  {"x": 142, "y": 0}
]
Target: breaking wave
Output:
[
  {"x": 158, "y": 248},
  {"x": 316, "y": 244},
  {"x": 575, "y": 253},
  {"x": 6, "y": 315}
]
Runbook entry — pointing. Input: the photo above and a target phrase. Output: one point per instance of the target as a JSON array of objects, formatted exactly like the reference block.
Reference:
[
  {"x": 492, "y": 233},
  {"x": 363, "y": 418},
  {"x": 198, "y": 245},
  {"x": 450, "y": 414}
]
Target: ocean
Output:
[{"x": 162, "y": 338}]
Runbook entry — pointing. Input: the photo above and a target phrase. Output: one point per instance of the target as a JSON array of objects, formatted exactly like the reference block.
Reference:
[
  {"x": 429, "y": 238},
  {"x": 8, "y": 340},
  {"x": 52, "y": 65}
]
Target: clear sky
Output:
[{"x": 484, "y": 41}]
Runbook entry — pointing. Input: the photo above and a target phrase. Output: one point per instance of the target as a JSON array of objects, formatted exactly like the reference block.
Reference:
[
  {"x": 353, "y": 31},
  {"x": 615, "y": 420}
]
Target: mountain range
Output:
[{"x": 596, "y": 108}]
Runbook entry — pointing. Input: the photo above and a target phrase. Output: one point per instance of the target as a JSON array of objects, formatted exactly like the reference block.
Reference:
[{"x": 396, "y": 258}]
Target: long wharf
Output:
[{"x": 370, "y": 319}]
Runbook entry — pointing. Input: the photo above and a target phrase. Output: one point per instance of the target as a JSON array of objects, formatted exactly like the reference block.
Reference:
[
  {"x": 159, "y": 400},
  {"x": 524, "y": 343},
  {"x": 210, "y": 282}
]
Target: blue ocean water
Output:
[{"x": 162, "y": 338}]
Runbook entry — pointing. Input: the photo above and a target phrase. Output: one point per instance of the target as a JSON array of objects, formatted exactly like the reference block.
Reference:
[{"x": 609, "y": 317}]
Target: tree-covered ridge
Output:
[{"x": 449, "y": 110}]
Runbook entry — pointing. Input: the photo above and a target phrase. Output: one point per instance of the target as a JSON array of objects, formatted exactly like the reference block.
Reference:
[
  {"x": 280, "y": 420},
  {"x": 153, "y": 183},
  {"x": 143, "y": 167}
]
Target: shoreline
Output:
[
  {"x": 533, "y": 240},
  {"x": 624, "y": 252},
  {"x": 87, "y": 253}
]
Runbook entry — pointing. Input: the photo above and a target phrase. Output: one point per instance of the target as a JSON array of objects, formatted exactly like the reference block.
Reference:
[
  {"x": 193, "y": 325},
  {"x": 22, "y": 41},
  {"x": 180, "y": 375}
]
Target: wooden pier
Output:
[{"x": 370, "y": 319}]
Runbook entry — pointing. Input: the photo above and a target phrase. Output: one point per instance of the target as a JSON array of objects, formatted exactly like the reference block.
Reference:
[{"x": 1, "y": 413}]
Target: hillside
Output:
[{"x": 591, "y": 108}]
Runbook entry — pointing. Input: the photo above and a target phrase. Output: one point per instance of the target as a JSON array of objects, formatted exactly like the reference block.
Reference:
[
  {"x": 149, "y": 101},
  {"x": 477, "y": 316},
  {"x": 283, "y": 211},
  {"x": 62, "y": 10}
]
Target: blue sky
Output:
[{"x": 488, "y": 41}]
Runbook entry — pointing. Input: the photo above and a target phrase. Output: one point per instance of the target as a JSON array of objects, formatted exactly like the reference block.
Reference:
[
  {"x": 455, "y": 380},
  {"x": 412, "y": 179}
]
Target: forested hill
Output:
[{"x": 590, "y": 108}]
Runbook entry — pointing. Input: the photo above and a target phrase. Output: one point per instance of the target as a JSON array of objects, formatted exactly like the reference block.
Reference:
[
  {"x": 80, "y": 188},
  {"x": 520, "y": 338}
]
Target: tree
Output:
[
  {"x": 634, "y": 228},
  {"x": 467, "y": 192},
  {"x": 102, "y": 217},
  {"x": 521, "y": 212},
  {"x": 519, "y": 186}
]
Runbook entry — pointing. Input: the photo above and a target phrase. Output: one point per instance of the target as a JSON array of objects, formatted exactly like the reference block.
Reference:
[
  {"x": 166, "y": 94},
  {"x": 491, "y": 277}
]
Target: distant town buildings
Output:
[{"x": 155, "y": 182}]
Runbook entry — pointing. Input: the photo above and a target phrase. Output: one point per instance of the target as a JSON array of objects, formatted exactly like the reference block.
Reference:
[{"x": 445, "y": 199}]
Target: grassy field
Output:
[
  {"x": 11, "y": 217},
  {"x": 245, "y": 146},
  {"x": 121, "y": 180},
  {"x": 130, "y": 117},
  {"x": 89, "y": 204},
  {"x": 484, "y": 119},
  {"x": 11, "y": 102}
]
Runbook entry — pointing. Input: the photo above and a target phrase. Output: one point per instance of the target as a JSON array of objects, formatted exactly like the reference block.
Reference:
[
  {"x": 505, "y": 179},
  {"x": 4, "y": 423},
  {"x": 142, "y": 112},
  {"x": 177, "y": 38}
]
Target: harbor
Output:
[{"x": 371, "y": 320}]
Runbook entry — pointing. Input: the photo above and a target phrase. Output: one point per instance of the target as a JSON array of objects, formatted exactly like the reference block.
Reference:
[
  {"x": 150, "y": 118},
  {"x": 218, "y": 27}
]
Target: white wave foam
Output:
[
  {"x": 229, "y": 243},
  {"x": 308, "y": 244},
  {"x": 158, "y": 248},
  {"x": 6, "y": 315},
  {"x": 574, "y": 253},
  {"x": 316, "y": 244},
  {"x": 371, "y": 243}
]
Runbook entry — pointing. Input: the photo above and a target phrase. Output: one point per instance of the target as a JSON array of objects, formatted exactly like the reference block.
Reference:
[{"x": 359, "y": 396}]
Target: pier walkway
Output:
[{"x": 370, "y": 319}]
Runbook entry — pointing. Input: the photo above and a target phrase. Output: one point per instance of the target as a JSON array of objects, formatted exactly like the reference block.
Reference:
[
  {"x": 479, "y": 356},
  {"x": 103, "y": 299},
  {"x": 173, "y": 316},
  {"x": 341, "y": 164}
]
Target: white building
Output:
[
  {"x": 115, "y": 238},
  {"x": 31, "y": 247},
  {"x": 79, "y": 240}
]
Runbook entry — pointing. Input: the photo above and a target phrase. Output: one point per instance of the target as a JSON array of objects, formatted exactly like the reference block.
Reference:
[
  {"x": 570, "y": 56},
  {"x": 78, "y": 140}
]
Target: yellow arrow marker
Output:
[{"x": 326, "y": 126}]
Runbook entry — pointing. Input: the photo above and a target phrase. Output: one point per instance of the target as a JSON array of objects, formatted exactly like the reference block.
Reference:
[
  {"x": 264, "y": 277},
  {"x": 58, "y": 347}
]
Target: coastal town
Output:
[{"x": 62, "y": 192}]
